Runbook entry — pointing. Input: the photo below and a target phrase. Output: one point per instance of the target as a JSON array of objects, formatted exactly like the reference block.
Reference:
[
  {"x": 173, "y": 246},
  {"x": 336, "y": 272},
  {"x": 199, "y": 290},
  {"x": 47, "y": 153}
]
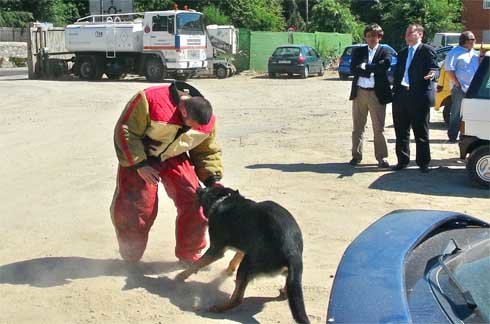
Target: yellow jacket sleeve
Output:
[{"x": 130, "y": 130}]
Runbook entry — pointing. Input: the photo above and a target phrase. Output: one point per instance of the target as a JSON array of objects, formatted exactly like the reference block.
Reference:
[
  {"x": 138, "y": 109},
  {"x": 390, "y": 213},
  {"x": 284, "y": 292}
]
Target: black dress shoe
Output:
[
  {"x": 424, "y": 168},
  {"x": 400, "y": 166},
  {"x": 354, "y": 161}
]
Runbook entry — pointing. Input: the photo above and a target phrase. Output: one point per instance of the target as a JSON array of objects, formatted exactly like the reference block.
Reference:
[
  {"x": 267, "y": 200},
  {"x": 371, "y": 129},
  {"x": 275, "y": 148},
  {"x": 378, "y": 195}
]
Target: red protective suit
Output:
[{"x": 151, "y": 132}]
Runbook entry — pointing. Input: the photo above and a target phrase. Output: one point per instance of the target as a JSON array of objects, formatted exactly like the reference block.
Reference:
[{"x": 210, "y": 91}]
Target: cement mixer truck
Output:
[{"x": 155, "y": 44}]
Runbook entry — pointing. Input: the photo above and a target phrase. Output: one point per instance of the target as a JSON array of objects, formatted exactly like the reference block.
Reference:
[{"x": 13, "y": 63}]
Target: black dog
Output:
[{"x": 268, "y": 237}]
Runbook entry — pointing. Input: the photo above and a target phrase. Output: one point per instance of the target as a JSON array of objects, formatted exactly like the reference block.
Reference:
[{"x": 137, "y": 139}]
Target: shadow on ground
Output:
[
  {"x": 191, "y": 296},
  {"x": 447, "y": 177}
]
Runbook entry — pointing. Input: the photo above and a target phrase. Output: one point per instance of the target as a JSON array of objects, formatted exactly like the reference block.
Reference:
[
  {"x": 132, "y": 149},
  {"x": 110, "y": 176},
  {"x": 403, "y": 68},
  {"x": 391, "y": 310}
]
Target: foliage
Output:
[
  {"x": 332, "y": 16},
  {"x": 15, "y": 18},
  {"x": 433, "y": 15},
  {"x": 213, "y": 15},
  {"x": 152, "y": 5}
]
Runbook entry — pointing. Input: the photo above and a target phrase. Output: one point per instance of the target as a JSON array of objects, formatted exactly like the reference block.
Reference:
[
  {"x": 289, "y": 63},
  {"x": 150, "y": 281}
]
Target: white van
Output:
[
  {"x": 475, "y": 126},
  {"x": 445, "y": 39}
]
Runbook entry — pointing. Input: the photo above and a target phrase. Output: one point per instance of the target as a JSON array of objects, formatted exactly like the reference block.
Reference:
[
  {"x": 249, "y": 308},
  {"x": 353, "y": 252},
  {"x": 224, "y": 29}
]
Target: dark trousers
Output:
[{"x": 411, "y": 110}]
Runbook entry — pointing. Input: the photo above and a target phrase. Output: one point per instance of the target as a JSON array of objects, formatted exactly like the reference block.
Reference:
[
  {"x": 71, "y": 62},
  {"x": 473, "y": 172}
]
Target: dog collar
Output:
[{"x": 217, "y": 202}]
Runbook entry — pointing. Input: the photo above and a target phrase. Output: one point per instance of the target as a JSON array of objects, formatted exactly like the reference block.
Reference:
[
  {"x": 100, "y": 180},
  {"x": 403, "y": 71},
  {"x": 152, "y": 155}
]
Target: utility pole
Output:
[{"x": 306, "y": 13}]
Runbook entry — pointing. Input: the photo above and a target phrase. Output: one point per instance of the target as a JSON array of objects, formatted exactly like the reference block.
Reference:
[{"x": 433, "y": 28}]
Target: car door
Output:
[{"x": 309, "y": 59}]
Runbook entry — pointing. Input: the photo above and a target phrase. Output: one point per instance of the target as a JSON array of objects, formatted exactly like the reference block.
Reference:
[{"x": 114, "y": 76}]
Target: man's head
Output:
[
  {"x": 195, "y": 111},
  {"x": 373, "y": 33},
  {"x": 414, "y": 34},
  {"x": 467, "y": 39}
]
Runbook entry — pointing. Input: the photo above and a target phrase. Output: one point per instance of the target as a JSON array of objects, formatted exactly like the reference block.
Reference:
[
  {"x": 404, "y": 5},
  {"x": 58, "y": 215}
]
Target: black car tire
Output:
[
  {"x": 321, "y": 71},
  {"x": 478, "y": 166},
  {"x": 305, "y": 72},
  {"x": 343, "y": 76},
  {"x": 446, "y": 113}
]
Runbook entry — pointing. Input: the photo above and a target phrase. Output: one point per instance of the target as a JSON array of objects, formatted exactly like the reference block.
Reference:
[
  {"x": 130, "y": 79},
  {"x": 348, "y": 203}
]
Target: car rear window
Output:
[
  {"x": 348, "y": 51},
  {"x": 287, "y": 51}
]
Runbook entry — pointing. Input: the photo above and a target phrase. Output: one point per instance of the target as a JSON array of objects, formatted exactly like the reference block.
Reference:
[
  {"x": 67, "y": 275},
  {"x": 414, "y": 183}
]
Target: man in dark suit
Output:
[
  {"x": 370, "y": 93},
  {"x": 412, "y": 86}
]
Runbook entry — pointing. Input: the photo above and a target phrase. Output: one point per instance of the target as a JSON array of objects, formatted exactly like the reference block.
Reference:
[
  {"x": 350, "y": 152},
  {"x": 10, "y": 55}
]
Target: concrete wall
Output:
[{"x": 11, "y": 49}]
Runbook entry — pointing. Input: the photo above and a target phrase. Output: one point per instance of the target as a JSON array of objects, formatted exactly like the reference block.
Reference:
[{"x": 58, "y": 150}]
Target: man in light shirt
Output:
[
  {"x": 370, "y": 93},
  {"x": 461, "y": 64}
]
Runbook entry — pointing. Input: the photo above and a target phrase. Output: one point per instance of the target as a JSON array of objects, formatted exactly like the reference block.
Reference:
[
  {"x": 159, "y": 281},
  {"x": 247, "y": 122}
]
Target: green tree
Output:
[
  {"x": 334, "y": 16},
  {"x": 434, "y": 15},
  {"x": 213, "y": 15}
]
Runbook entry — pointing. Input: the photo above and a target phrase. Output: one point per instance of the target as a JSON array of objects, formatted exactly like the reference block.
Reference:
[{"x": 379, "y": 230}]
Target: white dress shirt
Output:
[{"x": 367, "y": 82}]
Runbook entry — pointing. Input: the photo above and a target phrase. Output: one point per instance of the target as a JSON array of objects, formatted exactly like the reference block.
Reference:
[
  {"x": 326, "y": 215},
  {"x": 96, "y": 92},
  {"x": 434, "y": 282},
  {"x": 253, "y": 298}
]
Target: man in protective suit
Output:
[{"x": 165, "y": 133}]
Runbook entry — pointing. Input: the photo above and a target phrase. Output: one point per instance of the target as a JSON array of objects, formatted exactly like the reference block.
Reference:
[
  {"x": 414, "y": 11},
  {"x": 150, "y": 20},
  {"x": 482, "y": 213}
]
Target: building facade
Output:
[{"x": 476, "y": 17}]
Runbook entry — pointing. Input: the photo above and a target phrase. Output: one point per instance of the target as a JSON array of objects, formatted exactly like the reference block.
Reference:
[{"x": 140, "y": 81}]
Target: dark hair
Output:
[
  {"x": 465, "y": 36},
  {"x": 374, "y": 28},
  {"x": 417, "y": 27},
  {"x": 199, "y": 109}
]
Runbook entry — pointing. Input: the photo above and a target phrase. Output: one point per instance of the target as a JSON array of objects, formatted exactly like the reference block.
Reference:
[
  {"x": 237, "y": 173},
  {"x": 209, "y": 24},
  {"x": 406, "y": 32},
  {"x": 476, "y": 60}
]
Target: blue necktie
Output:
[{"x": 407, "y": 65}]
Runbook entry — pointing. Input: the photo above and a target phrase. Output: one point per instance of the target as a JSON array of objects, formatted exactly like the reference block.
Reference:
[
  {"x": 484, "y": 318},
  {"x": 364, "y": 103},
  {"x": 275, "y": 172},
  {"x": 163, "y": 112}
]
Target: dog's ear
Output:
[{"x": 237, "y": 192}]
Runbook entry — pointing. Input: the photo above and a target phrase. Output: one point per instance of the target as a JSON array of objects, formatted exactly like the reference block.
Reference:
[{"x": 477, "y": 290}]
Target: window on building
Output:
[{"x": 486, "y": 4}]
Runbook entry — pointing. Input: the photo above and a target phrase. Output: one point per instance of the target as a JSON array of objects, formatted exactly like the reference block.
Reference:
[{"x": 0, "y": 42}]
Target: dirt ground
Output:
[{"x": 286, "y": 140}]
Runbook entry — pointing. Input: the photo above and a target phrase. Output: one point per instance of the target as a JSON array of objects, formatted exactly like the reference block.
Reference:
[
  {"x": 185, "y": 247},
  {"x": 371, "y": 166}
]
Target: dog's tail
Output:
[{"x": 295, "y": 291}]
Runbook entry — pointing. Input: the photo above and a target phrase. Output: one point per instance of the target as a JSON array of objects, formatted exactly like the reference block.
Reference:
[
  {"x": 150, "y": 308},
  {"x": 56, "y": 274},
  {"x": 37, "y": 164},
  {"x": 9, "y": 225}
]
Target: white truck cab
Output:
[
  {"x": 444, "y": 39},
  {"x": 475, "y": 126}
]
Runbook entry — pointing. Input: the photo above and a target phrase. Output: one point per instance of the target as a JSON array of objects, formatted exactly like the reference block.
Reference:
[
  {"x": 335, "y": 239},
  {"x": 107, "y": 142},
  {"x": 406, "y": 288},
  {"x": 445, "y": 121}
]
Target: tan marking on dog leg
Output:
[
  {"x": 235, "y": 299},
  {"x": 205, "y": 260},
  {"x": 283, "y": 293},
  {"x": 235, "y": 262}
]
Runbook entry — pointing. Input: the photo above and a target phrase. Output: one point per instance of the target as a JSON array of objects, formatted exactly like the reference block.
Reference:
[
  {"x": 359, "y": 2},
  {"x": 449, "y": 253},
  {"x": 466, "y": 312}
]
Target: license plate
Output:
[{"x": 284, "y": 61}]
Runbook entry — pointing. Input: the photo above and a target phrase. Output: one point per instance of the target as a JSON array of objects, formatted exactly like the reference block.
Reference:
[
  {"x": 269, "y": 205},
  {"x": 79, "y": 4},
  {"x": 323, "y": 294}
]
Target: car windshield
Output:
[
  {"x": 470, "y": 269},
  {"x": 286, "y": 51},
  {"x": 452, "y": 39},
  {"x": 190, "y": 24}
]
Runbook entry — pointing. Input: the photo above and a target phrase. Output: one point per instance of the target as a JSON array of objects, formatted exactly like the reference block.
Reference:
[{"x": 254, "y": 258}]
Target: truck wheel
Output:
[
  {"x": 272, "y": 75},
  {"x": 89, "y": 69},
  {"x": 221, "y": 72},
  {"x": 478, "y": 166},
  {"x": 446, "y": 113},
  {"x": 154, "y": 70},
  {"x": 305, "y": 72}
]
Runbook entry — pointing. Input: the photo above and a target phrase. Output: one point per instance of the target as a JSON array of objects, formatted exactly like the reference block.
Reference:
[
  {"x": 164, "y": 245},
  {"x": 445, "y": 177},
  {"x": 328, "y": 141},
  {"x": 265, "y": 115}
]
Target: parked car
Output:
[
  {"x": 415, "y": 266},
  {"x": 474, "y": 140},
  {"x": 345, "y": 58},
  {"x": 443, "y": 90},
  {"x": 295, "y": 59}
]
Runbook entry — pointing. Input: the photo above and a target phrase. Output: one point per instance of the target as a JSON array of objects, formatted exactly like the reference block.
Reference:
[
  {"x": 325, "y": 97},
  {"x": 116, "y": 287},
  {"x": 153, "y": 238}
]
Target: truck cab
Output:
[
  {"x": 444, "y": 39},
  {"x": 475, "y": 126}
]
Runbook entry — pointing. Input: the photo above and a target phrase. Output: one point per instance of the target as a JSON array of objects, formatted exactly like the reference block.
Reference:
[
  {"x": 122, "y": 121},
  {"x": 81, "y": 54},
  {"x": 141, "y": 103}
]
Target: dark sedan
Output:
[
  {"x": 295, "y": 59},
  {"x": 415, "y": 266}
]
